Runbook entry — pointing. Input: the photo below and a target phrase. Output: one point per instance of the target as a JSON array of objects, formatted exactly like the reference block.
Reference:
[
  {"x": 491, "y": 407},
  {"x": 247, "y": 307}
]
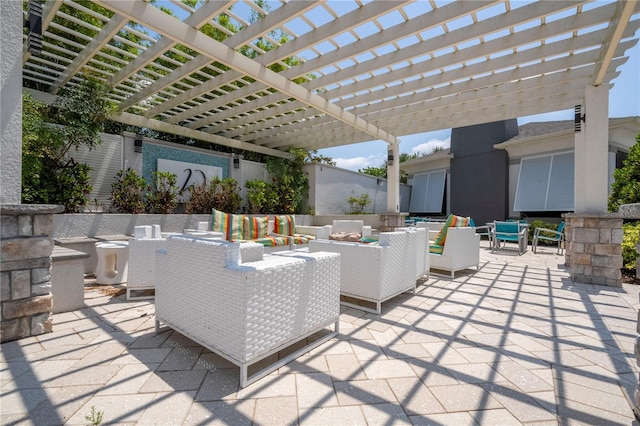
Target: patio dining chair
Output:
[
  {"x": 553, "y": 236},
  {"x": 482, "y": 230},
  {"x": 514, "y": 232}
]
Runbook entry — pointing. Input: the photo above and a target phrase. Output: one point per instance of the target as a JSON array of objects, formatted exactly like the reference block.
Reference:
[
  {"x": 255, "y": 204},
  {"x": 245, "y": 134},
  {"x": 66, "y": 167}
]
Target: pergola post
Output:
[
  {"x": 591, "y": 147},
  {"x": 593, "y": 236},
  {"x": 393, "y": 178}
]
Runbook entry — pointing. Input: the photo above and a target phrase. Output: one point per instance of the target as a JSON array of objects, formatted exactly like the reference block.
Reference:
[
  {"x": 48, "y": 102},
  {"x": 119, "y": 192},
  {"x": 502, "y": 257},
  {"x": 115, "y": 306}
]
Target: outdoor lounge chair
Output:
[
  {"x": 461, "y": 250},
  {"x": 246, "y": 311},
  {"x": 483, "y": 230},
  {"x": 374, "y": 272},
  {"x": 553, "y": 236},
  {"x": 509, "y": 232}
]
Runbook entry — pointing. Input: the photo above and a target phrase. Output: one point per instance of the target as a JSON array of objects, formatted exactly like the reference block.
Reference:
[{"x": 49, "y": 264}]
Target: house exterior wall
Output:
[
  {"x": 622, "y": 134},
  {"x": 479, "y": 172}
]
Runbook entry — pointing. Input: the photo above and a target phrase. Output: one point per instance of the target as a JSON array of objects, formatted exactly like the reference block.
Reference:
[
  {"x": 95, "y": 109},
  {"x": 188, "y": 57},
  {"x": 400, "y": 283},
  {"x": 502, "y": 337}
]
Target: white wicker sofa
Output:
[
  {"x": 246, "y": 311},
  {"x": 374, "y": 272}
]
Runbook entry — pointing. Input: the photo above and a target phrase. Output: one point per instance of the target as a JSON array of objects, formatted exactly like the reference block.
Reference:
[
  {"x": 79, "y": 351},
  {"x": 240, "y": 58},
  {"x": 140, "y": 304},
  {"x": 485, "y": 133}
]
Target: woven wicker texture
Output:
[
  {"x": 422, "y": 249},
  {"x": 374, "y": 272},
  {"x": 142, "y": 262},
  {"x": 244, "y": 310}
]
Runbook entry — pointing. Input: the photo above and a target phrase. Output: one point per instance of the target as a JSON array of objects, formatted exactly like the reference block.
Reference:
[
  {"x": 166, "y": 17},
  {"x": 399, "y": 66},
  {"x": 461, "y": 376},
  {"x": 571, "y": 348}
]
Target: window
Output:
[
  {"x": 545, "y": 183},
  {"x": 427, "y": 192}
]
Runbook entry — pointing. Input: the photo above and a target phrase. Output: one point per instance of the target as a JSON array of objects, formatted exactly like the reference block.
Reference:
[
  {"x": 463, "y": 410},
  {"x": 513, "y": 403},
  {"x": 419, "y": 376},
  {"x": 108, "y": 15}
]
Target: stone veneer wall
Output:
[
  {"x": 594, "y": 248},
  {"x": 26, "y": 244}
]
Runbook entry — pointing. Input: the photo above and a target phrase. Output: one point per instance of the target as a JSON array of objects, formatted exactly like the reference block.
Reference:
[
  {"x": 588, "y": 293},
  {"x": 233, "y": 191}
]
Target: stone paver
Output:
[{"x": 514, "y": 343}]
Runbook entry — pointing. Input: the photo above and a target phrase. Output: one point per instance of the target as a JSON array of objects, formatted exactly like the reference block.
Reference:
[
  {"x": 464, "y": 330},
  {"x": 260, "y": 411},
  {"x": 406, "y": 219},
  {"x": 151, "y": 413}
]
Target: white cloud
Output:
[
  {"x": 428, "y": 147},
  {"x": 356, "y": 163}
]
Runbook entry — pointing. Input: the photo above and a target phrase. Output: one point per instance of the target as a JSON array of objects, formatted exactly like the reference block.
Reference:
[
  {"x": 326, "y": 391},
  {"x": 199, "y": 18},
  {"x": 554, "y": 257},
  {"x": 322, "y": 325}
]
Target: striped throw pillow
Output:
[
  {"x": 230, "y": 224},
  {"x": 284, "y": 225},
  {"x": 454, "y": 221},
  {"x": 255, "y": 227}
]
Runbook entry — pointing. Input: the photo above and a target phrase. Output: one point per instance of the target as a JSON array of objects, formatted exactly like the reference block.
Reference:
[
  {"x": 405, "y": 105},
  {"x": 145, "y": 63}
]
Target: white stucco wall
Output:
[
  {"x": 334, "y": 186},
  {"x": 11, "y": 21}
]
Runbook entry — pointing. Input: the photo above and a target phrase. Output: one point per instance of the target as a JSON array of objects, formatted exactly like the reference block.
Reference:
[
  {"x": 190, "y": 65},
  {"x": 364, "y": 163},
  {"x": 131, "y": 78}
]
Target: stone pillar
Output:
[
  {"x": 391, "y": 221},
  {"x": 594, "y": 248},
  {"x": 25, "y": 269}
]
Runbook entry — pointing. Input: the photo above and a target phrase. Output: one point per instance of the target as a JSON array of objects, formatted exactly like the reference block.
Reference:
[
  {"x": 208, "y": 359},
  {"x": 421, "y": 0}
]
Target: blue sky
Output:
[{"x": 624, "y": 101}]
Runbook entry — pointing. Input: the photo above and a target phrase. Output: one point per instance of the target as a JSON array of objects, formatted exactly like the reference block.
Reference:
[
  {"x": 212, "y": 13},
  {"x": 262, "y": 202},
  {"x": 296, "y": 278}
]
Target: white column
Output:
[
  {"x": 591, "y": 153},
  {"x": 11, "y": 21},
  {"x": 393, "y": 179}
]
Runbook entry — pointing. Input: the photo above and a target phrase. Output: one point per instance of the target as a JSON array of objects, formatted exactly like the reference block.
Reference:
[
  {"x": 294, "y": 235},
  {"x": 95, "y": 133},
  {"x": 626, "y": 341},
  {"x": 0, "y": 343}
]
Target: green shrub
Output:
[
  {"x": 50, "y": 135},
  {"x": 217, "y": 194},
  {"x": 626, "y": 180},
  {"x": 541, "y": 224},
  {"x": 257, "y": 196},
  {"x": 127, "y": 192},
  {"x": 163, "y": 198},
  {"x": 357, "y": 204},
  {"x": 629, "y": 241}
]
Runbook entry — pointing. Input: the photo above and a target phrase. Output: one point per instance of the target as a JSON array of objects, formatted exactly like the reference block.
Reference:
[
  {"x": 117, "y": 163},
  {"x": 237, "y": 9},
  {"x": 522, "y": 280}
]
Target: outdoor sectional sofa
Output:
[
  {"x": 274, "y": 234},
  {"x": 243, "y": 310}
]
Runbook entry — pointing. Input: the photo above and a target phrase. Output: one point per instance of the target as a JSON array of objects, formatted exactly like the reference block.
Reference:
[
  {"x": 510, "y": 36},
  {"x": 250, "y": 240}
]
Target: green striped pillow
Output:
[
  {"x": 230, "y": 224},
  {"x": 436, "y": 249},
  {"x": 255, "y": 227},
  {"x": 284, "y": 225},
  {"x": 454, "y": 221}
]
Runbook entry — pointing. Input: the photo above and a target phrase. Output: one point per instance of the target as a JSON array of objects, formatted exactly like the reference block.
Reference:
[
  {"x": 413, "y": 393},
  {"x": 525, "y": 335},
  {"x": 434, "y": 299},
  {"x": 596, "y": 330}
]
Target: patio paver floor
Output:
[{"x": 516, "y": 342}]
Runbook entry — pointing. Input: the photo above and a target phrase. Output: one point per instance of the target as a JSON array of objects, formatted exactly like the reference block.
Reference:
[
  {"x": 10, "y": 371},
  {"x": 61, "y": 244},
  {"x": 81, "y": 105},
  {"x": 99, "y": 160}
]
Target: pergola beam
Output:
[
  {"x": 170, "y": 27},
  {"x": 440, "y": 62},
  {"x": 99, "y": 41},
  {"x": 623, "y": 13}
]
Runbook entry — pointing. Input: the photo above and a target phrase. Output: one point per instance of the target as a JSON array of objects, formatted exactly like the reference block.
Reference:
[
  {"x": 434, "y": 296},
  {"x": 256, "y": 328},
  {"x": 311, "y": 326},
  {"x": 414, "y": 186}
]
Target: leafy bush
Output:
[
  {"x": 629, "y": 241},
  {"x": 163, "y": 198},
  {"x": 200, "y": 199},
  {"x": 540, "y": 224},
  {"x": 290, "y": 181},
  {"x": 257, "y": 196},
  {"x": 357, "y": 204},
  {"x": 222, "y": 195},
  {"x": 626, "y": 180},
  {"x": 226, "y": 196},
  {"x": 127, "y": 192}
]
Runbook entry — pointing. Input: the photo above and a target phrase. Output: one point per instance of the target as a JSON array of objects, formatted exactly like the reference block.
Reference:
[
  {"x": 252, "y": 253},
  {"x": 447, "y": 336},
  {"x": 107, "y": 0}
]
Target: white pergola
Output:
[{"x": 362, "y": 71}]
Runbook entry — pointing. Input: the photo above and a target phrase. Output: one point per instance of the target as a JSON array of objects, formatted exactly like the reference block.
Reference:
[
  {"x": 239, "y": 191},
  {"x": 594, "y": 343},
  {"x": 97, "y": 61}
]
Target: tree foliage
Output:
[
  {"x": 50, "y": 135},
  {"x": 163, "y": 197},
  {"x": 381, "y": 170},
  {"x": 290, "y": 180},
  {"x": 127, "y": 192},
  {"x": 626, "y": 183}
]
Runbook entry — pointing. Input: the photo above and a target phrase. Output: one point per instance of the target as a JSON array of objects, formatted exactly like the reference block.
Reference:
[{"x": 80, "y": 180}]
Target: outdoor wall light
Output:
[
  {"x": 578, "y": 118},
  {"x": 390, "y": 158},
  {"x": 137, "y": 144},
  {"x": 236, "y": 162}
]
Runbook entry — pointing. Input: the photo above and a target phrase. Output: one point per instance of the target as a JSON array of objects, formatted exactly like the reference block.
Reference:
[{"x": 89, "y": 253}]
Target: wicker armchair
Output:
[
  {"x": 461, "y": 251},
  {"x": 374, "y": 272},
  {"x": 246, "y": 311}
]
